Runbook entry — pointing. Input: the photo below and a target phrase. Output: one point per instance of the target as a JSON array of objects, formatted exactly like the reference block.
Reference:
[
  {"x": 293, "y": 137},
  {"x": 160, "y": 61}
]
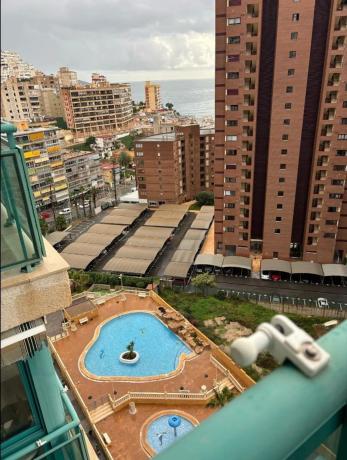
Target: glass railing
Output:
[
  {"x": 284, "y": 416},
  {"x": 21, "y": 239}
]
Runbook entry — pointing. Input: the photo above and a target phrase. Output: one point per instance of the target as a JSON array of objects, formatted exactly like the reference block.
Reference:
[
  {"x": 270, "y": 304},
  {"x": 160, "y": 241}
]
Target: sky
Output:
[{"x": 126, "y": 40}]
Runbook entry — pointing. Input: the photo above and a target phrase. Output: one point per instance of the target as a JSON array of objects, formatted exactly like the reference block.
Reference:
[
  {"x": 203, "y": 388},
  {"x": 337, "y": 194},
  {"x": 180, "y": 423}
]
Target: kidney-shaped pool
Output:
[{"x": 159, "y": 348}]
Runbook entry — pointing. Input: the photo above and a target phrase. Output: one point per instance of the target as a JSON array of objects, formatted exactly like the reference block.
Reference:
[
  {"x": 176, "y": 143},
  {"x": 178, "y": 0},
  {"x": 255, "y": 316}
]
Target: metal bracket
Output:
[
  {"x": 283, "y": 340},
  {"x": 40, "y": 443}
]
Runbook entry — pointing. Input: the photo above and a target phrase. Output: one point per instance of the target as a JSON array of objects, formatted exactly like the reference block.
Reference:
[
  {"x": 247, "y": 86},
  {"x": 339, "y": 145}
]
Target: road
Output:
[{"x": 334, "y": 294}]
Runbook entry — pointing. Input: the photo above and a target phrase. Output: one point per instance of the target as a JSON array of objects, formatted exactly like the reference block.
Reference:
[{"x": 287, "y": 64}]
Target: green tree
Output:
[
  {"x": 128, "y": 141},
  {"x": 61, "y": 123},
  {"x": 94, "y": 193},
  {"x": 169, "y": 105},
  {"x": 203, "y": 281},
  {"x": 221, "y": 397},
  {"x": 205, "y": 198},
  {"x": 43, "y": 226},
  {"x": 124, "y": 159},
  {"x": 89, "y": 141},
  {"x": 60, "y": 223}
]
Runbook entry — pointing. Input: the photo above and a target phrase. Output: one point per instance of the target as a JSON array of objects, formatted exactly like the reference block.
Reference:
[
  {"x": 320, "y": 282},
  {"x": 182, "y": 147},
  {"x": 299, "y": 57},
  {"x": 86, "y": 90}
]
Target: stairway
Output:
[{"x": 101, "y": 412}]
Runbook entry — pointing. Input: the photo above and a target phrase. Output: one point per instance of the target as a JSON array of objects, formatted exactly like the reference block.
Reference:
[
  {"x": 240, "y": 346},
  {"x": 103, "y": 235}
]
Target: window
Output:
[
  {"x": 277, "y": 230},
  {"x": 232, "y": 92},
  {"x": 229, "y": 193},
  {"x": 231, "y": 138},
  {"x": 233, "y": 108},
  {"x": 286, "y": 121},
  {"x": 281, "y": 179},
  {"x": 229, "y": 205},
  {"x": 331, "y": 222},
  {"x": 344, "y": 121},
  {"x": 234, "y": 2},
  {"x": 139, "y": 154},
  {"x": 278, "y": 219},
  {"x": 288, "y": 105},
  {"x": 280, "y": 193},
  {"x": 232, "y": 75},
  {"x": 335, "y": 196},
  {"x": 292, "y": 54},
  {"x": 279, "y": 206},
  {"x": 231, "y": 152},
  {"x": 233, "y": 21},
  {"x": 138, "y": 146},
  {"x": 229, "y": 229},
  {"x": 329, "y": 235},
  {"x": 233, "y": 57},
  {"x": 295, "y": 17},
  {"x": 291, "y": 72},
  {"x": 283, "y": 166},
  {"x": 344, "y": 104},
  {"x": 294, "y": 36},
  {"x": 341, "y": 153},
  {"x": 289, "y": 89},
  {"x": 229, "y": 217},
  {"x": 231, "y": 122},
  {"x": 342, "y": 137},
  {"x": 230, "y": 166},
  {"x": 284, "y": 137},
  {"x": 284, "y": 152},
  {"x": 233, "y": 40},
  {"x": 275, "y": 255}
]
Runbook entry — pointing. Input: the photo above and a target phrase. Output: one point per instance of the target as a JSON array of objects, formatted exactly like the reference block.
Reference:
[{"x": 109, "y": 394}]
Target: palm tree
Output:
[
  {"x": 74, "y": 200},
  {"x": 130, "y": 348},
  {"x": 94, "y": 193},
  {"x": 50, "y": 183},
  {"x": 82, "y": 194},
  {"x": 221, "y": 397}
]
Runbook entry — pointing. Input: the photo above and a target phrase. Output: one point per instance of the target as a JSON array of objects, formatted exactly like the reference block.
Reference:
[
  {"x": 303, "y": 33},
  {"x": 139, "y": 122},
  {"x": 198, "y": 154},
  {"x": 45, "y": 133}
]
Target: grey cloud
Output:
[{"x": 110, "y": 34}]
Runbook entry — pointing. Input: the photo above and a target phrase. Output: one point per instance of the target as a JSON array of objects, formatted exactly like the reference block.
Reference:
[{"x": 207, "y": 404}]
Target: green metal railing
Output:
[
  {"x": 284, "y": 416},
  {"x": 21, "y": 240}
]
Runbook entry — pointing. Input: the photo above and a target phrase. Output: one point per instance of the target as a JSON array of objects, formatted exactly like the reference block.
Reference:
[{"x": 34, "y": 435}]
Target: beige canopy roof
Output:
[
  {"x": 125, "y": 212},
  {"x": 153, "y": 232},
  {"x": 190, "y": 245},
  {"x": 215, "y": 260},
  {"x": 201, "y": 224},
  {"x": 206, "y": 209},
  {"x": 181, "y": 255},
  {"x": 95, "y": 238},
  {"x": 334, "y": 270},
  {"x": 276, "y": 265},
  {"x": 84, "y": 249},
  {"x": 237, "y": 262},
  {"x": 195, "y": 235},
  {"x": 77, "y": 261},
  {"x": 137, "y": 252},
  {"x": 56, "y": 237},
  {"x": 310, "y": 268},
  {"x": 170, "y": 207},
  {"x": 132, "y": 206},
  {"x": 177, "y": 269},
  {"x": 163, "y": 222},
  {"x": 121, "y": 265},
  {"x": 107, "y": 229},
  {"x": 148, "y": 242},
  {"x": 118, "y": 220}
]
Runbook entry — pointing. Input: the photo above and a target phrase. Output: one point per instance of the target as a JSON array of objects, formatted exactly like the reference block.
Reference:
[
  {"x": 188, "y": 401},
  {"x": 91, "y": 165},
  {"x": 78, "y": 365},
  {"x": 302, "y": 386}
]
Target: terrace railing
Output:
[
  {"x": 21, "y": 240},
  {"x": 284, "y": 416}
]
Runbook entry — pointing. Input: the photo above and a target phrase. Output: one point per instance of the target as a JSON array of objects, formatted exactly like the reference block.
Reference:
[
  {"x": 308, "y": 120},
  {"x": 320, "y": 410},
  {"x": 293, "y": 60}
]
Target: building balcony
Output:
[
  {"x": 264, "y": 422},
  {"x": 22, "y": 244}
]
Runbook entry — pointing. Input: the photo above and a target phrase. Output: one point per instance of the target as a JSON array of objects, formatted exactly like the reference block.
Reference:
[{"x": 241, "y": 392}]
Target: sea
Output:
[{"x": 189, "y": 97}]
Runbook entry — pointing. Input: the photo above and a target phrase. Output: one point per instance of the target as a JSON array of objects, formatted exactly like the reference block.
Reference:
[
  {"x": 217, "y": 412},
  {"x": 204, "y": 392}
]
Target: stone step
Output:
[{"x": 101, "y": 412}]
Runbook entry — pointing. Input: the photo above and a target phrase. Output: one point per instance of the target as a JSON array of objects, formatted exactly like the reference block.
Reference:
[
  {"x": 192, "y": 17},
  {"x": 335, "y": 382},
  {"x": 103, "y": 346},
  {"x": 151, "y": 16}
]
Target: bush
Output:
[
  {"x": 43, "y": 226},
  {"x": 221, "y": 295},
  {"x": 60, "y": 223},
  {"x": 111, "y": 279},
  {"x": 205, "y": 198}
]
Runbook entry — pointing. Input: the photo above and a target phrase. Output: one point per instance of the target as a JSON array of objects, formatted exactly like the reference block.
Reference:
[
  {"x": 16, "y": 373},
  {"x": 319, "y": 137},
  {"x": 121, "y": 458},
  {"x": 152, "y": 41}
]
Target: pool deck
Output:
[{"x": 123, "y": 428}]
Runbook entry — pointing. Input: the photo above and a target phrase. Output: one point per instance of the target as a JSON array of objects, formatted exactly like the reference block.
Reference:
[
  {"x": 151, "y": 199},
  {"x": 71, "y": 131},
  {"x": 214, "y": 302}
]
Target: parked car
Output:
[
  {"x": 322, "y": 302},
  {"x": 276, "y": 277},
  {"x": 65, "y": 211},
  {"x": 45, "y": 215},
  {"x": 265, "y": 276},
  {"x": 86, "y": 204}
]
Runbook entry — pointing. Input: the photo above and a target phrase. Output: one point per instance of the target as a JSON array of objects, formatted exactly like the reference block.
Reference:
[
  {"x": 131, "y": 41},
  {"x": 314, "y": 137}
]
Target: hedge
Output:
[{"x": 111, "y": 279}]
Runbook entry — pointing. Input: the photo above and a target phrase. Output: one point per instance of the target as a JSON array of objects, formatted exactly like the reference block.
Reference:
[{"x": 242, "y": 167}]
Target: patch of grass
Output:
[
  {"x": 194, "y": 207},
  {"x": 247, "y": 314}
]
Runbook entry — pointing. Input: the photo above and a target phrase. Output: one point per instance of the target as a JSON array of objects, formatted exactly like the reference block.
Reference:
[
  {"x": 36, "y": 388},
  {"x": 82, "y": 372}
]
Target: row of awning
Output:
[
  {"x": 217, "y": 260},
  {"x": 302, "y": 267}
]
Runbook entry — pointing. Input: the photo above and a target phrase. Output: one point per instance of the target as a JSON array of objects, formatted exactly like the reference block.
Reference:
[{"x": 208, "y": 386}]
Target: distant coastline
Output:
[{"x": 190, "y": 97}]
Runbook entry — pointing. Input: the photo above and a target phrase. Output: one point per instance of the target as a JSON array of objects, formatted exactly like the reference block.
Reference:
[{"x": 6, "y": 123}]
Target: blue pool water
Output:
[
  {"x": 159, "y": 348},
  {"x": 160, "y": 426}
]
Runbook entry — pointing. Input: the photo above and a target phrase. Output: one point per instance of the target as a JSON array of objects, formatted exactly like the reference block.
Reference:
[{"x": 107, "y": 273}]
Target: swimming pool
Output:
[
  {"x": 160, "y": 435},
  {"x": 159, "y": 348}
]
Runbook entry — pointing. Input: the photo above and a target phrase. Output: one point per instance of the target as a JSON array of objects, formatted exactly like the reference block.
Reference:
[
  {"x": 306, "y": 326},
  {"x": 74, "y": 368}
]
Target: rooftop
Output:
[{"x": 160, "y": 138}]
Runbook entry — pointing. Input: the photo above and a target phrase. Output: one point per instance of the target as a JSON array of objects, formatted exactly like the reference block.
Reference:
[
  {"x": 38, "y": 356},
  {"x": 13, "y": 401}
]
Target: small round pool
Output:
[
  {"x": 159, "y": 348},
  {"x": 161, "y": 435}
]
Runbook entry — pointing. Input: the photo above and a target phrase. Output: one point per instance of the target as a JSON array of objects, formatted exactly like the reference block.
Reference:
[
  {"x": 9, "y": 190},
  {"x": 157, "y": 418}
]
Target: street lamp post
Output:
[{"x": 114, "y": 183}]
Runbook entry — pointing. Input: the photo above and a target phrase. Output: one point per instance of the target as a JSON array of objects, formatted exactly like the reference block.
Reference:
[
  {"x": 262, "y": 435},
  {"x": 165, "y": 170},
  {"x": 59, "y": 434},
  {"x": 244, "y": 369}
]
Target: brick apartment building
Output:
[
  {"x": 281, "y": 137},
  {"x": 98, "y": 108},
  {"x": 174, "y": 167}
]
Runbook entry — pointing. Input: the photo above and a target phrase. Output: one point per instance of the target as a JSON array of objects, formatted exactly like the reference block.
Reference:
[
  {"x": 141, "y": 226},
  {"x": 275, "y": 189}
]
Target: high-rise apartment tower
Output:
[{"x": 281, "y": 137}]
